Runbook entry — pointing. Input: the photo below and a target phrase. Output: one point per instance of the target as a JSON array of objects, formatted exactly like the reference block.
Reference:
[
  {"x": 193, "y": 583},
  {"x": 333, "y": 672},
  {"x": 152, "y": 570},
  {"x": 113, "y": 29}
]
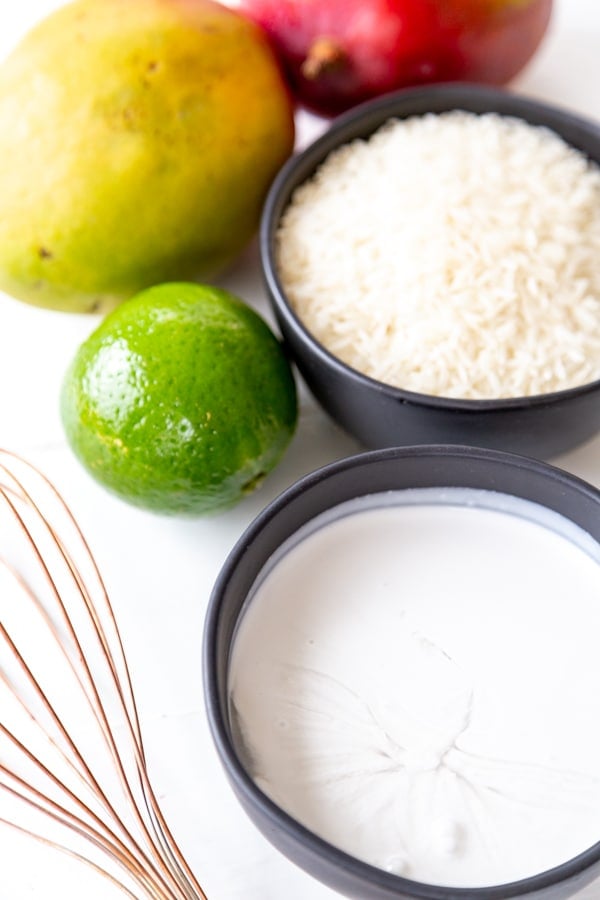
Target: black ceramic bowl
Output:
[
  {"x": 380, "y": 415},
  {"x": 382, "y": 470}
]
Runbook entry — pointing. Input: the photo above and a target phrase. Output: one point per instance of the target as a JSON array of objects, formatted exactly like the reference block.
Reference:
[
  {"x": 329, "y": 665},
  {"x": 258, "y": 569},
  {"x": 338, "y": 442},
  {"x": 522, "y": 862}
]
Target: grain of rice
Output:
[{"x": 455, "y": 255}]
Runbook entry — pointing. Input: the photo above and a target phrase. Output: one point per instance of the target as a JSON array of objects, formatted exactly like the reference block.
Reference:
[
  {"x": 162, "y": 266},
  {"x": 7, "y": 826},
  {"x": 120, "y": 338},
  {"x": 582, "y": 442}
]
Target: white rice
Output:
[{"x": 454, "y": 254}]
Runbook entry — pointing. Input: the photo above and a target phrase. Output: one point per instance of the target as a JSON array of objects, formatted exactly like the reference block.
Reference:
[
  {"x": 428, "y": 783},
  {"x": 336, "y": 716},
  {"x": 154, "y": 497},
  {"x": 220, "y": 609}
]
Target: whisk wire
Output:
[{"x": 165, "y": 875}]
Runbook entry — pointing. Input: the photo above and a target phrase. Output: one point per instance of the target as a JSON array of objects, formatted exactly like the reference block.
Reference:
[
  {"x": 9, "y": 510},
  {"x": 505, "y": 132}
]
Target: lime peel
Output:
[{"x": 181, "y": 401}]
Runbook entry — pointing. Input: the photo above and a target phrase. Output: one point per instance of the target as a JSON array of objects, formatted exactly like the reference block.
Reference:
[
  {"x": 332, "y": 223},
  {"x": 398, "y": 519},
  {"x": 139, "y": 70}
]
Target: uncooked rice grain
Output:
[{"x": 455, "y": 255}]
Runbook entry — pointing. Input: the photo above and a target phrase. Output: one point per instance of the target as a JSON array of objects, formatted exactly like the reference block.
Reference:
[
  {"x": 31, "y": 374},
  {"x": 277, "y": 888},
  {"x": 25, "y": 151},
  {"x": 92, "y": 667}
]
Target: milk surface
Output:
[{"x": 416, "y": 678}]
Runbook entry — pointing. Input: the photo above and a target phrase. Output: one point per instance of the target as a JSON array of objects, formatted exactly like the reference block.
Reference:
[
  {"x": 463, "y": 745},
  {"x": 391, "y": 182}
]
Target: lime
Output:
[{"x": 181, "y": 401}]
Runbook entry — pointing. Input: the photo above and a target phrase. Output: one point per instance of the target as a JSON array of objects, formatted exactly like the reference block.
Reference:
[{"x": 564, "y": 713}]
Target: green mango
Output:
[{"x": 138, "y": 140}]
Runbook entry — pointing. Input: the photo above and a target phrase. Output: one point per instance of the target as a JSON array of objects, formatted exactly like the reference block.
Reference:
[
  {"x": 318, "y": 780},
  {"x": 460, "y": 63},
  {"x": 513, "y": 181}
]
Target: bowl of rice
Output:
[{"x": 433, "y": 261}]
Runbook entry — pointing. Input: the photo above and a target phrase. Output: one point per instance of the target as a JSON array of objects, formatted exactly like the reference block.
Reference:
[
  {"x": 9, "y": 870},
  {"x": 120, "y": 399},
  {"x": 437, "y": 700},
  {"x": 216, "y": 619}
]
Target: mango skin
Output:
[{"x": 138, "y": 140}]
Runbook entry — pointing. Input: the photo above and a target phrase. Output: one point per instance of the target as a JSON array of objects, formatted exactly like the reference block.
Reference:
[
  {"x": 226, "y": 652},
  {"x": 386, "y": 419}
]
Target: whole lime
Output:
[{"x": 181, "y": 401}]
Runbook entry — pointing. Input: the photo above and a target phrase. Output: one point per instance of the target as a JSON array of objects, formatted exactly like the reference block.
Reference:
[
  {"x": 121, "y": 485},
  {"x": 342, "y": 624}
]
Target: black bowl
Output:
[
  {"x": 380, "y": 415},
  {"x": 382, "y": 470}
]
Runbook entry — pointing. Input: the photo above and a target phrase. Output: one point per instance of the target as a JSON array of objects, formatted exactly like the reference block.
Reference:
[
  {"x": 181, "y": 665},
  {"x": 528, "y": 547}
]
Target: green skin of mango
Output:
[{"x": 138, "y": 140}]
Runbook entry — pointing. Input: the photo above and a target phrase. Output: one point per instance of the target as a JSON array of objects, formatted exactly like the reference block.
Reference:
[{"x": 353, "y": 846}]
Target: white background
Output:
[{"x": 159, "y": 571}]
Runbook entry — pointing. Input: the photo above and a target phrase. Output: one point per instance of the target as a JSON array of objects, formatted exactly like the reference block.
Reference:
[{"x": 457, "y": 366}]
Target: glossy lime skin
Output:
[
  {"x": 181, "y": 401},
  {"x": 138, "y": 139}
]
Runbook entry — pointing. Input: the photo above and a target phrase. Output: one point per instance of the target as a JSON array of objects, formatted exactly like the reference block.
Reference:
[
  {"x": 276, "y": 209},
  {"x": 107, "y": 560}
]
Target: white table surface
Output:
[{"x": 159, "y": 571}]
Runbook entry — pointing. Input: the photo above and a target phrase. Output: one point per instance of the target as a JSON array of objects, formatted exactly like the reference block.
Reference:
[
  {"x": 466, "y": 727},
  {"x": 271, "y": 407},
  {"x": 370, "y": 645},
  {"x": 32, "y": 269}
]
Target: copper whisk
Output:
[{"x": 66, "y": 697}]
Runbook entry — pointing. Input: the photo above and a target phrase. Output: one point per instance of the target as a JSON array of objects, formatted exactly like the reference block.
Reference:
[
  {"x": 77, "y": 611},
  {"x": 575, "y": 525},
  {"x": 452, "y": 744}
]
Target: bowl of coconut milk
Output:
[{"x": 402, "y": 677}]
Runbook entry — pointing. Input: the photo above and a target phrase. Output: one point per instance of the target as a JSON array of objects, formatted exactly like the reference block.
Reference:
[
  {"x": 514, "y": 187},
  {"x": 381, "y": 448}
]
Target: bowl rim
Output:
[
  {"x": 316, "y": 847},
  {"x": 380, "y": 109}
]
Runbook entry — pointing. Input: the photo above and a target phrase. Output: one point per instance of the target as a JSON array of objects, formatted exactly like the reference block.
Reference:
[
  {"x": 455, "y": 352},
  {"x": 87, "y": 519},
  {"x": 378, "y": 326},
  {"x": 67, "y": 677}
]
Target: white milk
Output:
[{"x": 419, "y": 684}]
